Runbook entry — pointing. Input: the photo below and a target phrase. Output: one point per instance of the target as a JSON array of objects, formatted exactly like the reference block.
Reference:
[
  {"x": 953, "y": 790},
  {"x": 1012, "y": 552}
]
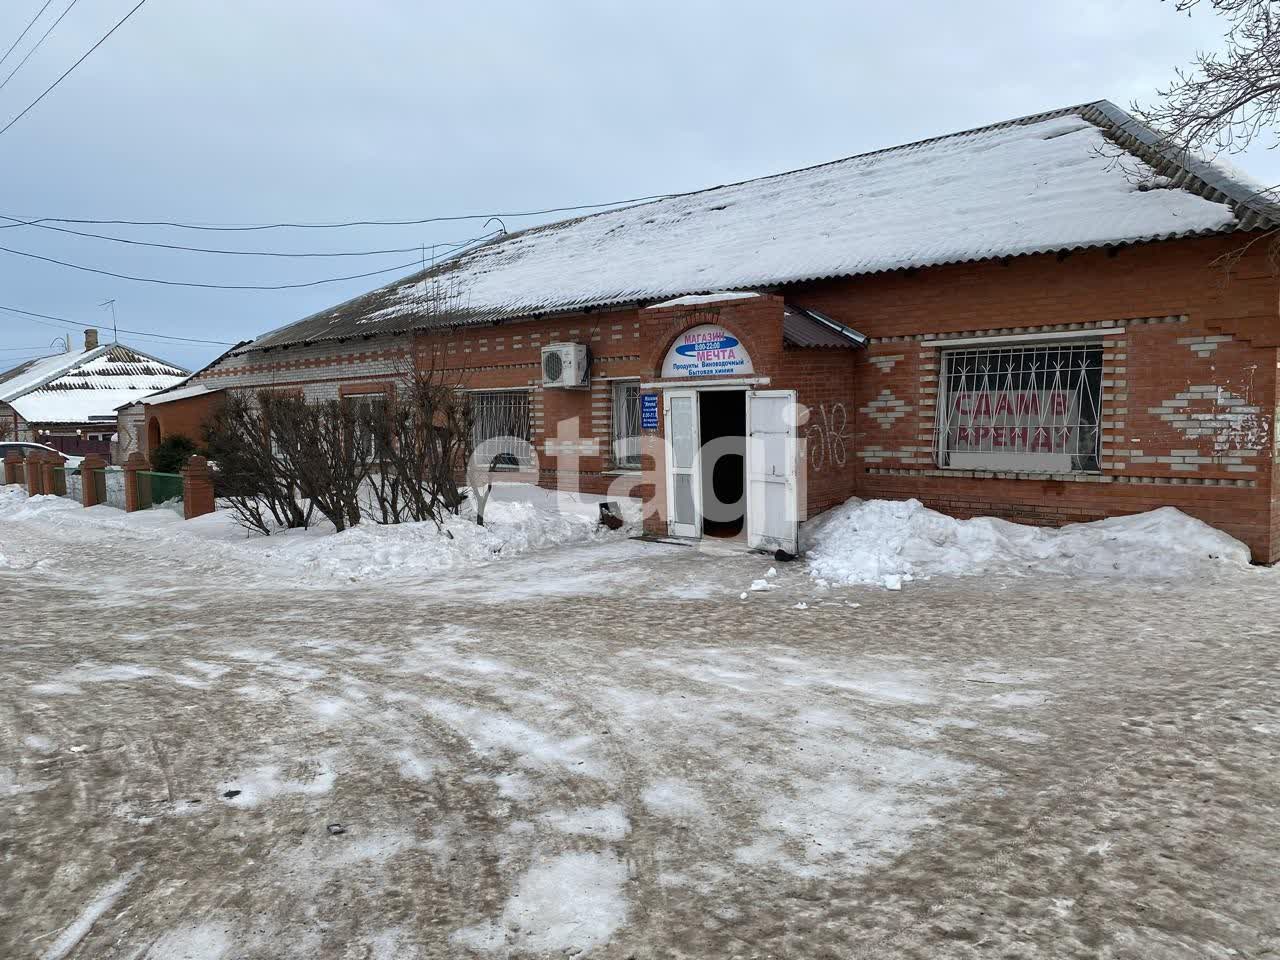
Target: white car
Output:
[{"x": 24, "y": 448}]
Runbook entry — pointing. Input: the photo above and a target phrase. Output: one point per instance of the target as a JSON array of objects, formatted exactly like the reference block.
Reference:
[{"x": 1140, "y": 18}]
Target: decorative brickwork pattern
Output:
[
  {"x": 886, "y": 409},
  {"x": 1204, "y": 347}
]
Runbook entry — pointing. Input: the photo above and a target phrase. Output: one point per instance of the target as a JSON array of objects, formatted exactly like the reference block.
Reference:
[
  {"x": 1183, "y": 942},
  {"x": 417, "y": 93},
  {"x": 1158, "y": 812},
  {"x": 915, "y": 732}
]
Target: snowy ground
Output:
[{"x": 622, "y": 758}]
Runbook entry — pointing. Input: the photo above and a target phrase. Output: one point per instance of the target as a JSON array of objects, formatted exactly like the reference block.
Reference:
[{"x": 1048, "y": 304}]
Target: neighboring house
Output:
[
  {"x": 130, "y": 435},
  {"x": 1029, "y": 320},
  {"x": 69, "y": 401}
]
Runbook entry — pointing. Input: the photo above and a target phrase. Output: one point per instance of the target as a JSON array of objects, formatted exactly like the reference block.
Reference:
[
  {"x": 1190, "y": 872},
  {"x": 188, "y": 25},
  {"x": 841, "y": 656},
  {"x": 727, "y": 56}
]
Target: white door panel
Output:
[
  {"x": 684, "y": 482},
  {"x": 773, "y": 482}
]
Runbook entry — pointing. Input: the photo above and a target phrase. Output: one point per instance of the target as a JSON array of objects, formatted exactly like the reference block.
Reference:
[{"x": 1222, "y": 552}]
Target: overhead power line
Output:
[
  {"x": 36, "y": 46},
  {"x": 18, "y": 222},
  {"x": 41, "y": 319},
  {"x": 49, "y": 89},
  {"x": 230, "y": 228},
  {"x": 25, "y": 31},
  {"x": 227, "y": 286}
]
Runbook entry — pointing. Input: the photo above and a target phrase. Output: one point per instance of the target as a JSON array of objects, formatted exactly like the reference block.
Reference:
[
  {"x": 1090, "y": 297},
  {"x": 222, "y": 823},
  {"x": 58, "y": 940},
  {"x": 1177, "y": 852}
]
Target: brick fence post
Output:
[
  {"x": 34, "y": 472},
  {"x": 51, "y": 461},
  {"x": 88, "y": 482},
  {"x": 13, "y": 467},
  {"x": 197, "y": 488},
  {"x": 135, "y": 463}
]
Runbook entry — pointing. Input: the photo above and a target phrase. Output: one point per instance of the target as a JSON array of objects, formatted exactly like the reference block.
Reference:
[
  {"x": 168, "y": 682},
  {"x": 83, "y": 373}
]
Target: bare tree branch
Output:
[{"x": 1226, "y": 100}]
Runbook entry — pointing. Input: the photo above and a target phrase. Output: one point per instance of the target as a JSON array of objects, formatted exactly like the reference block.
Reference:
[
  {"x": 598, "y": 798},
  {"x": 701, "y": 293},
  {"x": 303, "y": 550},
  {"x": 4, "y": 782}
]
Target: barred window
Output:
[
  {"x": 500, "y": 427},
  {"x": 1023, "y": 408},
  {"x": 626, "y": 424},
  {"x": 367, "y": 406}
]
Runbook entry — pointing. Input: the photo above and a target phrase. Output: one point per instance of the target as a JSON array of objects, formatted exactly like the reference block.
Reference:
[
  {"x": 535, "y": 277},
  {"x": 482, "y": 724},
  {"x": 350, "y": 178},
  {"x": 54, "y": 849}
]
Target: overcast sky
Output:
[{"x": 242, "y": 112}]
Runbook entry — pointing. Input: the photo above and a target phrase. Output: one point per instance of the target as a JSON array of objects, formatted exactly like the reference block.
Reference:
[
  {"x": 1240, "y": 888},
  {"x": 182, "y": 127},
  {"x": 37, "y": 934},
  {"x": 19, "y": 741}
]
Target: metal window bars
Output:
[
  {"x": 1020, "y": 408},
  {"x": 626, "y": 423},
  {"x": 500, "y": 428},
  {"x": 368, "y": 406}
]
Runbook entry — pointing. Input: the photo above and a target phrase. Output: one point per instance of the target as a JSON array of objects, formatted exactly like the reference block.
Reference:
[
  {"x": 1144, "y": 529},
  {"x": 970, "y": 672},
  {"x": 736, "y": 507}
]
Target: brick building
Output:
[
  {"x": 1048, "y": 319},
  {"x": 68, "y": 401}
]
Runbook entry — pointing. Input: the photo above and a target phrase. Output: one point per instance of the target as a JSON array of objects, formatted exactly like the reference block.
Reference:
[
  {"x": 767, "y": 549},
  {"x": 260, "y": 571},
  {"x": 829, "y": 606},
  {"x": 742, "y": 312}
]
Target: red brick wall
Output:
[
  {"x": 870, "y": 421},
  {"x": 1194, "y": 351},
  {"x": 186, "y": 417}
]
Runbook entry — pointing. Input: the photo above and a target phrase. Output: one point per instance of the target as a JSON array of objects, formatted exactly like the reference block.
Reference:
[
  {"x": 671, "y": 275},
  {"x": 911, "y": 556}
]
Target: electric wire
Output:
[
  {"x": 222, "y": 286},
  {"x": 25, "y": 30},
  {"x": 36, "y": 46},
  {"x": 18, "y": 222},
  {"x": 49, "y": 89},
  {"x": 41, "y": 319},
  {"x": 419, "y": 221}
]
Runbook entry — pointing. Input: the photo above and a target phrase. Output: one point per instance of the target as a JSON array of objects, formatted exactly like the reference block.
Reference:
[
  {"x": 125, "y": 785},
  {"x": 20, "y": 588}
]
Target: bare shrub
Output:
[
  {"x": 418, "y": 436},
  {"x": 321, "y": 446},
  {"x": 252, "y": 474}
]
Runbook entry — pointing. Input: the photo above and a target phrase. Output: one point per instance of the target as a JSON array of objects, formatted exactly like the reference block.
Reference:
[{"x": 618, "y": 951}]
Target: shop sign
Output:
[
  {"x": 648, "y": 411},
  {"x": 707, "y": 350}
]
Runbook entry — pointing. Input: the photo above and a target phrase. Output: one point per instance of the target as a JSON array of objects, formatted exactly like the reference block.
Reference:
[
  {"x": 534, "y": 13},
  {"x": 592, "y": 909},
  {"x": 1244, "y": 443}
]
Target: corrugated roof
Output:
[
  {"x": 809, "y": 328},
  {"x": 1037, "y": 184},
  {"x": 74, "y": 388},
  {"x": 33, "y": 373}
]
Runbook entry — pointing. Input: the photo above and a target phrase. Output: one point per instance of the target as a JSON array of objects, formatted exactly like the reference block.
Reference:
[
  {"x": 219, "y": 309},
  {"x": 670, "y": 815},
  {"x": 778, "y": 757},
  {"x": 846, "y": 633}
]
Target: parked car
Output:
[{"x": 23, "y": 447}]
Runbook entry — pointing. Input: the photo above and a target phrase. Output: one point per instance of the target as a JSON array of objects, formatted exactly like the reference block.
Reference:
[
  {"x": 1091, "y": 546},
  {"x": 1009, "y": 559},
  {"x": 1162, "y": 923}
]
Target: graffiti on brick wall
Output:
[{"x": 828, "y": 436}]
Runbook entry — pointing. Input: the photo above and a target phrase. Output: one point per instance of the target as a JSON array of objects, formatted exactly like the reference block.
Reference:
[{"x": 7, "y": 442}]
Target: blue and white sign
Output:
[
  {"x": 648, "y": 411},
  {"x": 707, "y": 350}
]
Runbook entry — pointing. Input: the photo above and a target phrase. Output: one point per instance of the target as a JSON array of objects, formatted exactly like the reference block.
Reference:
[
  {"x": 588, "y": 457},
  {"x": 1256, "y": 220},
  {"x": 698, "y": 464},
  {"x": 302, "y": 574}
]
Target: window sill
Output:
[
  {"x": 1007, "y": 472},
  {"x": 622, "y": 472}
]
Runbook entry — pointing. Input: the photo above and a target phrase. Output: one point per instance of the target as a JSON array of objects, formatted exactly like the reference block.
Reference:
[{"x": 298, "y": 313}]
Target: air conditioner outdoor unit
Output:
[{"x": 566, "y": 365}]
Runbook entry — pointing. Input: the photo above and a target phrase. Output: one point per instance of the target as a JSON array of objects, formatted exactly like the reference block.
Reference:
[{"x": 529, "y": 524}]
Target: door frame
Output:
[
  {"x": 692, "y": 531},
  {"x": 746, "y": 386},
  {"x": 757, "y": 481}
]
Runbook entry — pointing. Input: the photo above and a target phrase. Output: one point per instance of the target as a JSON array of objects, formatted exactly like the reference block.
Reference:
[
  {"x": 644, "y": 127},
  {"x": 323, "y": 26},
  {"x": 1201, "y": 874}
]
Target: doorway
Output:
[
  {"x": 722, "y": 423},
  {"x": 741, "y": 448}
]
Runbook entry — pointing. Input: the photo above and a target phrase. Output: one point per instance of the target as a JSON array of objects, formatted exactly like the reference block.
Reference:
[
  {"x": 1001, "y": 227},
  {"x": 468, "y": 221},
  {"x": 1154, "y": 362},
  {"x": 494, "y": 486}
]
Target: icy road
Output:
[{"x": 601, "y": 750}]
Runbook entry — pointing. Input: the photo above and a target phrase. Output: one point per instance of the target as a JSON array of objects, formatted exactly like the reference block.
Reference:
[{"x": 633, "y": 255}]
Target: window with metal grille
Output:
[
  {"x": 1032, "y": 408},
  {"x": 626, "y": 424},
  {"x": 367, "y": 406},
  {"x": 500, "y": 427}
]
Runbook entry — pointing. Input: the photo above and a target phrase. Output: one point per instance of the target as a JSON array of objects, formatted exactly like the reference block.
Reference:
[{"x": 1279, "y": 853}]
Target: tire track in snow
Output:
[{"x": 79, "y": 928}]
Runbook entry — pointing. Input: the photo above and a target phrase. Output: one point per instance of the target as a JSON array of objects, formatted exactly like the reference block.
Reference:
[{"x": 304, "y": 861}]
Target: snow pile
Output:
[
  {"x": 373, "y": 551},
  {"x": 518, "y": 519},
  {"x": 891, "y": 542}
]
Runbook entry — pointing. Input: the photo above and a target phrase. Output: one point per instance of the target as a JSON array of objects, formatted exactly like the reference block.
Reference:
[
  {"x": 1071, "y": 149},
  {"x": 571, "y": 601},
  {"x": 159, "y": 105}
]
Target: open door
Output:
[
  {"x": 684, "y": 480},
  {"x": 773, "y": 490}
]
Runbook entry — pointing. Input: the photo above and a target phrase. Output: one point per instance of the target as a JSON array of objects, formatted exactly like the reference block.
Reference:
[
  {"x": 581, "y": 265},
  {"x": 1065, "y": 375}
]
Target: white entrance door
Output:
[
  {"x": 773, "y": 492},
  {"x": 684, "y": 471}
]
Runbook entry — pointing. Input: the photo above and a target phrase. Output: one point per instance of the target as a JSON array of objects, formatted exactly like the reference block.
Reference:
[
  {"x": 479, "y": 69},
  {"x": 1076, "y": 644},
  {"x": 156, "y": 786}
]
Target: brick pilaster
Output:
[
  {"x": 136, "y": 462},
  {"x": 88, "y": 482},
  {"x": 13, "y": 469},
  {"x": 34, "y": 473},
  {"x": 197, "y": 488},
  {"x": 49, "y": 463}
]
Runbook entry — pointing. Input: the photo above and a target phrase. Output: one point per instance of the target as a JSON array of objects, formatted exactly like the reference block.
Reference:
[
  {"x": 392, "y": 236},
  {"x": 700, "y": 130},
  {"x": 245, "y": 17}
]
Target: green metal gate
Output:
[{"x": 159, "y": 489}]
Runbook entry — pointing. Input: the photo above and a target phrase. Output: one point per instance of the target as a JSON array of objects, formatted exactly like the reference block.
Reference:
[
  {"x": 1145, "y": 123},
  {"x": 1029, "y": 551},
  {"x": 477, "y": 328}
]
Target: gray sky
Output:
[{"x": 242, "y": 112}]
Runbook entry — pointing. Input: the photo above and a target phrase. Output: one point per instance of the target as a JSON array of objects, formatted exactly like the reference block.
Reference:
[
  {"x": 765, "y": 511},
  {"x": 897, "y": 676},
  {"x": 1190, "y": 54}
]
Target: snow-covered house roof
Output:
[
  {"x": 1078, "y": 177},
  {"x": 84, "y": 387}
]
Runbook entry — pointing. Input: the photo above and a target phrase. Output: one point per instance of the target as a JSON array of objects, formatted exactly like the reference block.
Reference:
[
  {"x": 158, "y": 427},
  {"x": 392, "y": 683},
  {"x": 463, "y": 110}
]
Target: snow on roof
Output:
[
  {"x": 179, "y": 393},
  {"x": 714, "y": 297},
  {"x": 77, "y": 388},
  {"x": 28, "y": 376},
  {"x": 1032, "y": 185}
]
